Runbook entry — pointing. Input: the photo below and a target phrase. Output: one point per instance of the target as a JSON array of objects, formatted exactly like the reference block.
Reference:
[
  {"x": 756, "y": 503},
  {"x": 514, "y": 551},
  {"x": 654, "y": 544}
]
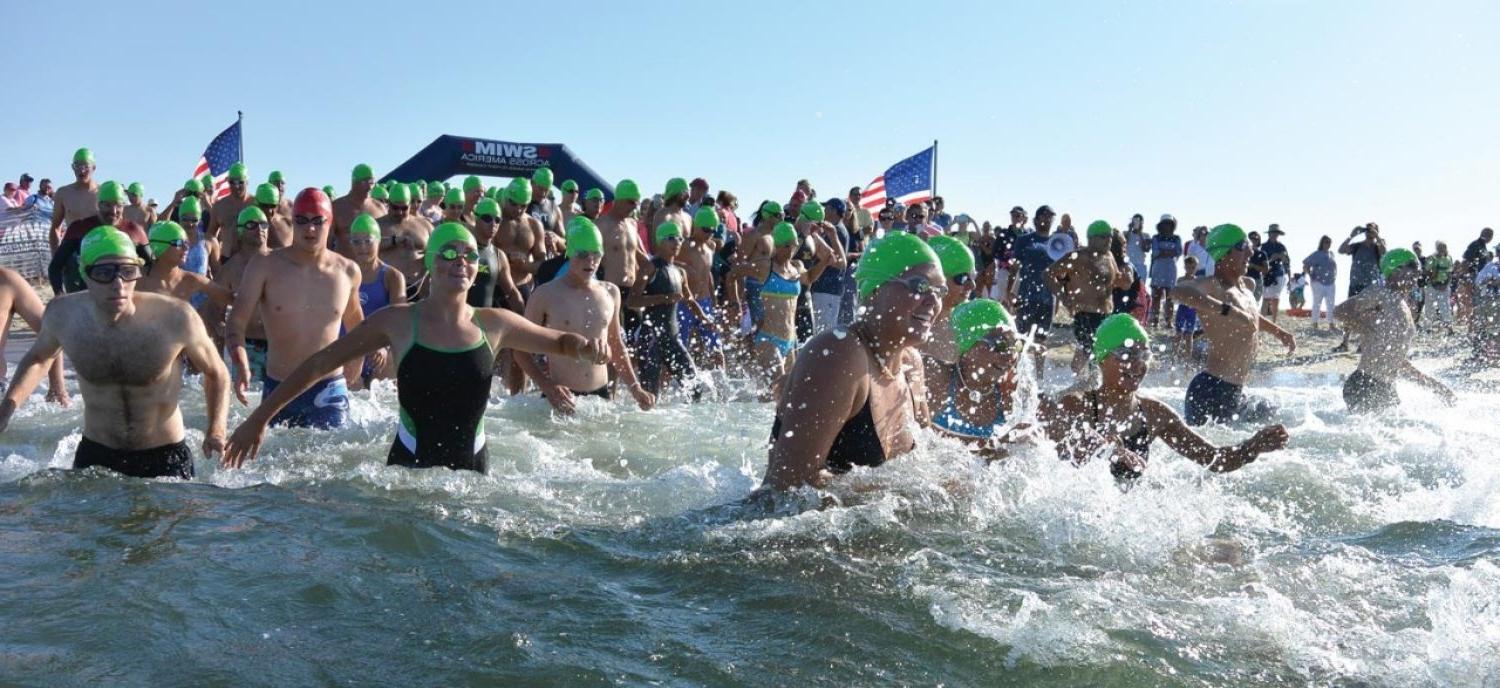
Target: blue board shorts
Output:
[
  {"x": 324, "y": 406},
  {"x": 1213, "y": 398},
  {"x": 689, "y": 326},
  {"x": 1187, "y": 320}
]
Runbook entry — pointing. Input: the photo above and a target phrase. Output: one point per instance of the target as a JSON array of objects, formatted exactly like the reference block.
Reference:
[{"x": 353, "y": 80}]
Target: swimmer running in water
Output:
[
  {"x": 126, "y": 347},
  {"x": 444, "y": 370},
  {"x": 662, "y": 286},
  {"x": 1383, "y": 319},
  {"x": 1084, "y": 281},
  {"x": 380, "y": 285},
  {"x": 577, "y": 302},
  {"x": 850, "y": 404},
  {"x": 1115, "y": 415},
  {"x": 782, "y": 282},
  {"x": 940, "y": 351},
  {"x": 169, "y": 245},
  {"x": 978, "y": 389},
  {"x": 253, "y": 229},
  {"x": 1230, "y": 315}
]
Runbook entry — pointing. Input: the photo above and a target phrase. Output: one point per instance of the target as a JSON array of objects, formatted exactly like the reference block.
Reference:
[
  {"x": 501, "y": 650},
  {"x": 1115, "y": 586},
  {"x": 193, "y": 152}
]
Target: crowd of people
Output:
[{"x": 919, "y": 318}]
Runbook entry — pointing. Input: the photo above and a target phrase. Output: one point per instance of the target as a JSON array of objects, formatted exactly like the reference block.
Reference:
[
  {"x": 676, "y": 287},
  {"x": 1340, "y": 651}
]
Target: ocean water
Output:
[{"x": 615, "y": 548}]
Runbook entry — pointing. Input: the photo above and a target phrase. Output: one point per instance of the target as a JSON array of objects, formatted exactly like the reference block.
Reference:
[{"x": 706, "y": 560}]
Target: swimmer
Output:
[
  {"x": 1084, "y": 281},
  {"x": 1115, "y": 416},
  {"x": 492, "y": 283},
  {"x": 444, "y": 370},
  {"x": 109, "y": 210},
  {"x": 279, "y": 224},
  {"x": 453, "y": 207},
  {"x": 226, "y": 211},
  {"x": 380, "y": 285},
  {"x": 473, "y": 188},
  {"x": 541, "y": 207},
  {"x": 1230, "y": 316},
  {"x": 850, "y": 404},
  {"x": 820, "y": 248},
  {"x": 782, "y": 282},
  {"x": 137, "y": 211},
  {"x": 352, "y": 205},
  {"x": 663, "y": 285},
  {"x": 74, "y": 202},
  {"x": 568, "y": 204},
  {"x": 283, "y": 204},
  {"x": 978, "y": 388},
  {"x": 577, "y": 302},
  {"x": 940, "y": 351},
  {"x": 1382, "y": 318},
  {"x": 303, "y": 293},
  {"x": 253, "y": 230},
  {"x": 520, "y": 238},
  {"x": 403, "y": 234},
  {"x": 673, "y": 205},
  {"x": 202, "y": 256},
  {"x": 593, "y": 204},
  {"x": 432, "y": 205},
  {"x": 18, "y": 298},
  {"x": 622, "y": 245},
  {"x": 169, "y": 245},
  {"x": 126, "y": 347},
  {"x": 750, "y": 262},
  {"x": 697, "y": 260}
]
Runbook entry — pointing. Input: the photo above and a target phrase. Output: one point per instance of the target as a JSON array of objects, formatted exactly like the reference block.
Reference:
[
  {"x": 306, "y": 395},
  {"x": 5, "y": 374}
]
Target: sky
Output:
[{"x": 1315, "y": 115}]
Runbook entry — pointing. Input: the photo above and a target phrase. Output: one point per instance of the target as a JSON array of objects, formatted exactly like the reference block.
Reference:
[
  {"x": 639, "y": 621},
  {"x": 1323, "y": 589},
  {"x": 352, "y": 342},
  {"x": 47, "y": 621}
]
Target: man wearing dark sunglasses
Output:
[
  {"x": 403, "y": 234},
  {"x": 109, "y": 208},
  {"x": 1084, "y": 281},
  {"x": 278, "y": 223},
  {"x": 353, "y": 204},
  {"x": 1230, "y": 317},
  {"x": 222, "y": 215},
  {"x": 303, "y": 293},
  {"x": 126, "y": 346}
]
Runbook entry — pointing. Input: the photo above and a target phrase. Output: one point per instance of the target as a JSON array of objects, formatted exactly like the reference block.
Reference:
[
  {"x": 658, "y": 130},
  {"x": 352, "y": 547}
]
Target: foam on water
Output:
[{"x": 1364, "y": 553}]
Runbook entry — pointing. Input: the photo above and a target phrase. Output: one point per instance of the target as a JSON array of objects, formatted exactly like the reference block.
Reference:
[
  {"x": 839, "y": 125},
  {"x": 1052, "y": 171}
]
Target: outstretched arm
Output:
[
  {"x": 29, "y": 306},
  {"x": 1184, "y": 440},
  {"x": 252, "y": 283},
  {"x": 29, "y": 370}
]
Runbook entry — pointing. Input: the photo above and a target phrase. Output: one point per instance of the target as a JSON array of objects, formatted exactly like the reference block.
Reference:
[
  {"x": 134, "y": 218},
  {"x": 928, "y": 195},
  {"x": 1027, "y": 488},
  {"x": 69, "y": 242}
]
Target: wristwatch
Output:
[{"x": 1224, "y": 308}]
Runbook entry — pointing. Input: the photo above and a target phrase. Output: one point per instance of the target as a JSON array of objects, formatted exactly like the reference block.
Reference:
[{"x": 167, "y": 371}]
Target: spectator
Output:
[
  {"x": 10, "y": 196},
  {"x": 1439, "y": 274},
  {"x": 1166, "y": 247},
  {"x": 1321, "y": 270},
  {"x": 939, "y": 217},
  {"x": 1137, "y": 244},
  {"x": 1278, "y": 268},
  {"x": 1366, "y": 268},
  {"x": 1029, "y": 294},
  {"x": 23, "y": 190}
]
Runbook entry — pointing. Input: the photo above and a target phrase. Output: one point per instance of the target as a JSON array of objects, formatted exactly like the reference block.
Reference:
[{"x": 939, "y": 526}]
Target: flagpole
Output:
[
  {"x": 934, "y": 168},
  {"x": 241, "y": 121}
]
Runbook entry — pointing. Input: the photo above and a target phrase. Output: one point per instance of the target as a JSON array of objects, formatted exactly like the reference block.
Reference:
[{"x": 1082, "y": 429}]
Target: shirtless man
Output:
[
  {"x": 593, "y": 204},
  {"x": 697, "y": 259},
  {"x": 169, "y": 243},
  {"x": 303, "y": 293},
  {"x": 1384, "y": 319},
  {"x": 568, "y": 206},
  {"x": 674, "y": 205},
  {"x": 226, "y": 211},
  {"x": 126, "y": 347},
  {"x": 253, "y": 228},
  {"x": 18, "y": 298},
  {"x": 473, "y": 191},
  {"x": 350, "y": 206},
  {"x": 109, "y": 209},
  {"x": 540, "y": 206},
  {"x": 751, "y": 258},
  {"x": 278, "y": 224},
  {"x": 137, "y": 211},
  {"x": 1083, "y": 281},
  {"x": 492, "y": 280},
  {"x": 432, "y": 202},
  {"x": 283, "y": 204},
  {"x": 576, "y": 302},
  {"x": 403, "y": 235},
  {"x": 1230, "y": 315},
  {"x": 76, "y": 201},
  {"x": 520, "y": 237},
  {"x": 622, "y": 237}
]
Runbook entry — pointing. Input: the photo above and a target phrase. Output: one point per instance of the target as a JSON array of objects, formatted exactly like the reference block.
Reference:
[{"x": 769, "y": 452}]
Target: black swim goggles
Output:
[
  {"x": 921, "y": 286},
  {"x": 109, "y": 272},
  {"x": 963, "y": 279}
]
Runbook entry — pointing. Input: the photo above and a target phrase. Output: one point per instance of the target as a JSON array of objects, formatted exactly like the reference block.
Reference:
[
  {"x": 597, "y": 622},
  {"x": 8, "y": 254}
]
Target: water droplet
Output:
[{"x": 787, "y": 434}]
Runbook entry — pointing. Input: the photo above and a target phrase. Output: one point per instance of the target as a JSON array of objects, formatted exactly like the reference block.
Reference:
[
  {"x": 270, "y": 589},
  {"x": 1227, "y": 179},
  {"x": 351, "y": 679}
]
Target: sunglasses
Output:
[
  {"x": 316, "y": 220},
  {"x": 109, "y": 272},
  {"x": 252, "y": 226},
  {"x": 489, "y": 218},
  {"x": 175, "y": 243},
  {"x": 921, "y": 286},
  {"x": 1005, "y": 343},
  {"x": 188, "y": 220},
  {"x": 361, "y": 241},
  {"x": 451, "y": 254}
]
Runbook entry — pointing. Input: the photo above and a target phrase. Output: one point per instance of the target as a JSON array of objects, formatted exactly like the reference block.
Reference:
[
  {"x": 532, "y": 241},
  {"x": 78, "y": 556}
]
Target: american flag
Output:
[
  {"x": 907, "y": 181},
  {"x": 222, "y": 152}
]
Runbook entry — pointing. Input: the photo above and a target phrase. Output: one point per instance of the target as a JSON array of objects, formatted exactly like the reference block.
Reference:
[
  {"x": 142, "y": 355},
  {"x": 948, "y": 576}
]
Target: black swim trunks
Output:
[
  {"x": 167, "y": 461},
  {"x": 1085, "y": 325},
  {"x": 1365, "y": 393},
  {"x": 1212, "y": 398},
  {"x": 605, "y": 392}
]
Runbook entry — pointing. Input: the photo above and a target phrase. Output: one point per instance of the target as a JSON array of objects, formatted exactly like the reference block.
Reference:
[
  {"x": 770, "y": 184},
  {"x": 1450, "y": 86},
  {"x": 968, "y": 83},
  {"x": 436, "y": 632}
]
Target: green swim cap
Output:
[
  {"x": 472, "y": 183},
  {"x": 83, "y": 155},
  {"x": 675, "y": 186},
  {"x": 627, "y": 190},
  {"x": 435, "y": 189},
  {"x": 363, "y": 172},
  {"x": 111, "y": 192},
  {"x": 783, "y": 234},
  {"x": 249, "y": 214},
  {"x": 519, "y": 191},
  {"x": 364, "y": 224},
  {"x": 189, "y": 207},
  {"x": 399, "y": 193},
  {"x": 885, "y": 260},
  {"x": 104, "y": 242},
  {"x": 207, "y": 180},
  {"x": 811, "y": 211},
  {"x": 569, "y": 186},
  {"x": 446, "y": 233},
  {"x": 414, "y": 191},
  {"x": 328, "y": 191},
  {"x": 486, "y": 206},
  {"x": 492, "y": 193},
  {"x": 378, "y": 193},
  {"x": 454, "y": 196},
  {"x": 1394, "y": 259},
  {"x": 193, "y": 186},
  {"x": 237, "y": 172},
  {"x": 266, "y": 194},
  {"x": 135, "y": 189},
  {"x": 667, "y": 230},
  {"x": 954, "y": 258},
  {"x": 594, "y": 195},
  {"x": 1117, "y": 331},
  {"x": 584, "y": 236},
  {"x": 161, "y": 234},
  {"x": 1223, "y": 238},
  {"x": 542, "y": 177},
  {"x": 705, "y": 217},
  {"x": 1100, "y": 228},
  {"x": 770, "y": 208},
  {"x": 972, "y": 320},
  {"x": 276, "y": 178}
]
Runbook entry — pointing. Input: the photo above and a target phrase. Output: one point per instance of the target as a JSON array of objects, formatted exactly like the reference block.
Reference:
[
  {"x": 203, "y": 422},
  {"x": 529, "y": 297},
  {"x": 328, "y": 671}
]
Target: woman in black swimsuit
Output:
[
  {"x": 446, "y": 363},
  {"x": 1115, "y": 416},
  {"x": 850, "y": 403}
]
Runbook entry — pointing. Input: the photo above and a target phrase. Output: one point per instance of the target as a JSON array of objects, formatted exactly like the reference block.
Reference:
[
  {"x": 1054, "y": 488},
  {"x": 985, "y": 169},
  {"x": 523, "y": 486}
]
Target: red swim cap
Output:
[{"x": 312, "y": 202}]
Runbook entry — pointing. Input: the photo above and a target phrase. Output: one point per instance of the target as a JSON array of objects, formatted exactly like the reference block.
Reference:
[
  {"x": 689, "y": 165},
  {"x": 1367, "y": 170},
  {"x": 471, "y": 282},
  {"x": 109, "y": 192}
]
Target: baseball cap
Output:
[
  {"x": 1044, "y": 209},
  {"x": 1166, "y": 218},
  {"x": 837, "y": 205}
]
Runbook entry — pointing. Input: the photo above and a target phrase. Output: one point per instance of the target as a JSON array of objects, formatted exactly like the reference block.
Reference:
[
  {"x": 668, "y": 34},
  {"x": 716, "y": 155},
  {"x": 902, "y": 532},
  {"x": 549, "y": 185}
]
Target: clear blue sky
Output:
[{"x": 1317, "y": 115}]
